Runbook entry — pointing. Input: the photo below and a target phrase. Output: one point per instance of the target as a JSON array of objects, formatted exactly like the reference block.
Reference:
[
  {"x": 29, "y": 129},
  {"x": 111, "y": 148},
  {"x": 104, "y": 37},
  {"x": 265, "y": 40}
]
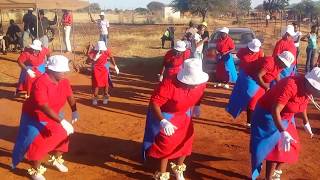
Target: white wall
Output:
[{"x": 169, "y": 13}]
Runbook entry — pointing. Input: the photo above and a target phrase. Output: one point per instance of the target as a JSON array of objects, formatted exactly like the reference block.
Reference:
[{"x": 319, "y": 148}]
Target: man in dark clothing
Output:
[
  {"x": 168, "y": 36},
  {"x": 44, "y": 25},
  {"x": 205, "y": 35},
  {"x": 13, "y": 35},
  {"x": 30, "y": 23}
]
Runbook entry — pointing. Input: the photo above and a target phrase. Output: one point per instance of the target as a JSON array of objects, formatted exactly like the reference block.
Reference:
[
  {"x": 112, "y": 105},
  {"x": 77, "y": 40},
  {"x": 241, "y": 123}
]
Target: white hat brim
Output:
[
  {"x": 284, "y": 61},
  {"x": 313, "y": 82},
  {"x": 254, "y": 49},
  {"x": 202, "y": 77},
  {"x": 224, "y": 31},
  {"x": 61, "y": 70},
  {"x": 291, "y": 33},
  {"x": 35, "y": 47},
  {"x": 180, "y": 49}
]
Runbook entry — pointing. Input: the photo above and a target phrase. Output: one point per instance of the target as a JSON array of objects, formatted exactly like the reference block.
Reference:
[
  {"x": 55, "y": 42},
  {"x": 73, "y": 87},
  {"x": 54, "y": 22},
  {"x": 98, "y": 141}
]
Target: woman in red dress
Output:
[
  {"x": 286, "y": 43},
  {"x": 274, "y": 136},
  {"x": 269, "y": 70},
  {"x": 226, "y": 70},
  {"x": 42, "y": 128},
  {"x": 173, "y": 61},
  {"x": 32, "y": 63},
  {"x": 249, "y": 55},
  {"x": 169, "y": 129},
  {"x": 100, "y": 73}
]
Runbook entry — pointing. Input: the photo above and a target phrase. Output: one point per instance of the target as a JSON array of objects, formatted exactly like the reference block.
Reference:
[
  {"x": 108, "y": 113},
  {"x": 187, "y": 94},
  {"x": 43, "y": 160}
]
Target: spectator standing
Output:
[
  {"x": 104, "y": 27},
  {"x": 67, "y": 21},
  {"x": 29, "y": 28},
  {"x": 44, "y": 25}
]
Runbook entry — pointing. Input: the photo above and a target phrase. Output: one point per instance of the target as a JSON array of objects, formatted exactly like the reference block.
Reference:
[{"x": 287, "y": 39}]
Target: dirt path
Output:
[{"x": 107, "y": 141}]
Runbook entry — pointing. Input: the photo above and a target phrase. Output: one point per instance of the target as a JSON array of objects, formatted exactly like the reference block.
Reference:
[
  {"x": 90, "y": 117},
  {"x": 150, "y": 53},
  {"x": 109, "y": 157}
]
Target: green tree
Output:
[
  {"x": 199, "y": 7},
  {"x": 141, "y": 10},
  {"x": 275, "y": 5},
  {"x": 307, "y": 8},
  {"x": 180, "y": 5},
  {"x": 155, "y": 6},
  {"x": 244, "y": 5},
  {"x": 259, "y": 7},
  {"x": 240, "y": 7}
]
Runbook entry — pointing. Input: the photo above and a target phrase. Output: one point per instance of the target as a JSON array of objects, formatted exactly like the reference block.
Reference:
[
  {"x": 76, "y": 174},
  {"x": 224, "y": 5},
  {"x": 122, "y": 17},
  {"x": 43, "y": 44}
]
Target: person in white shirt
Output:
[
  {"x": 104, "y": 27},
  {"x": 296, "y": 38},
  {"x": 191, "y": 29},
  {"x": 197, "y": 45},
  {"x": 267, "y": 19}
]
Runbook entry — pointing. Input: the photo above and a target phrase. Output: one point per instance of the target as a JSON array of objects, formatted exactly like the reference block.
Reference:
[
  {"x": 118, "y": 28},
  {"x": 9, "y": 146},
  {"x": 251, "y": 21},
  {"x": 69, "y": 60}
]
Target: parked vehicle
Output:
[{"x": 240, "y": 36}]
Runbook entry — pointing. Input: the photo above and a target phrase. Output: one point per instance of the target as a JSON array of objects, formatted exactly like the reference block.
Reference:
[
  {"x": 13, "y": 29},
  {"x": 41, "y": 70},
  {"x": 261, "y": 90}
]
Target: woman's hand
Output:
[
  {"x": 308, "y": 129},
  {"x": 117, "y": 69},
  {"x": 285, "y": 141},
  {"x": 67, "y": 126},
  {"x": 160, "y": 77},
  {"x": 168, "y": 127},
  {"x": 306, "y": 123},
  {"x": 75, "y": 117}
]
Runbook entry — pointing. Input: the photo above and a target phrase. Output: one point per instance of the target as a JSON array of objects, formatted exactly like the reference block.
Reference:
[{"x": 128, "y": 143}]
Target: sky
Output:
[{"x": 132, "y": 4}]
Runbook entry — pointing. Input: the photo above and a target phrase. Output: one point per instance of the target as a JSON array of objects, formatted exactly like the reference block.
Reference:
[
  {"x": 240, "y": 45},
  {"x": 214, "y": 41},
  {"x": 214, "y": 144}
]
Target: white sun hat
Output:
[
  {"x": 224, "y": 30},
  {"x": 30, "y": 9},
  {"x": 314, "y": 78},
  {"x": 254, "y": 45},
  {"x": 36, "y": 45},
  {"x": 58, "y": 63},
  {"x": 290, "y": 30},
  {"x": 101, "y": 46},
  {"x": 101, "y": 13},
  {"x": 180, "y": 46},
  {"x": 192, "y": 73},
  {"x": 287, "y": 58}
]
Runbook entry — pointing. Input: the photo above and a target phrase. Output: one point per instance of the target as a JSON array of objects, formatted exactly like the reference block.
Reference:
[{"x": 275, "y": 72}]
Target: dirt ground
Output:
[{"x": 107, "y": 141}]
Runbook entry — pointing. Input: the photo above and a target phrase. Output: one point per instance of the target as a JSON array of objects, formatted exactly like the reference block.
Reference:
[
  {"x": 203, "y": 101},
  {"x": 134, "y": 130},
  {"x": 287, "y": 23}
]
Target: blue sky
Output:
[{"x": 132, "y": 4}]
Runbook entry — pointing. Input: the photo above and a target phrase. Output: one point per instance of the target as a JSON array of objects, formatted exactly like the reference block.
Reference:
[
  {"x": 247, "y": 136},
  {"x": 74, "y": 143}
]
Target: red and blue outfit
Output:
[
  {"x": 226, "y": 69},
  {"x": 100, "y": 71},
  {"x": 176, "y": 101},
  {"x": 290, "y": 92},
  {"x": 35, "y": 62},
  {"x": 248, "y": 58},
  {"x": 247, "y": 91},
  {"x": 173, "y": 63},
  {"x": 286, "y": 45},
  {"x": 39, "y": 134}
]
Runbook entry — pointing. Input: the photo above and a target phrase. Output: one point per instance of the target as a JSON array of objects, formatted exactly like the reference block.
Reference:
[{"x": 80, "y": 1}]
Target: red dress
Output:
[
  {"x": 285, "y": 45},
  {"x": 272, "y": 72},
  {"x": 53, "y": 136},
  {"x": 100, "y": 73},
  {"x": 35, "y": 62},
  {"x": 173, "y": 63},
  {"x": 290, "y": 92},
  {"x": 223, "y": 45},
  {"x": 177, "y": 100},
  {"x": 248, "y": 58}
]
